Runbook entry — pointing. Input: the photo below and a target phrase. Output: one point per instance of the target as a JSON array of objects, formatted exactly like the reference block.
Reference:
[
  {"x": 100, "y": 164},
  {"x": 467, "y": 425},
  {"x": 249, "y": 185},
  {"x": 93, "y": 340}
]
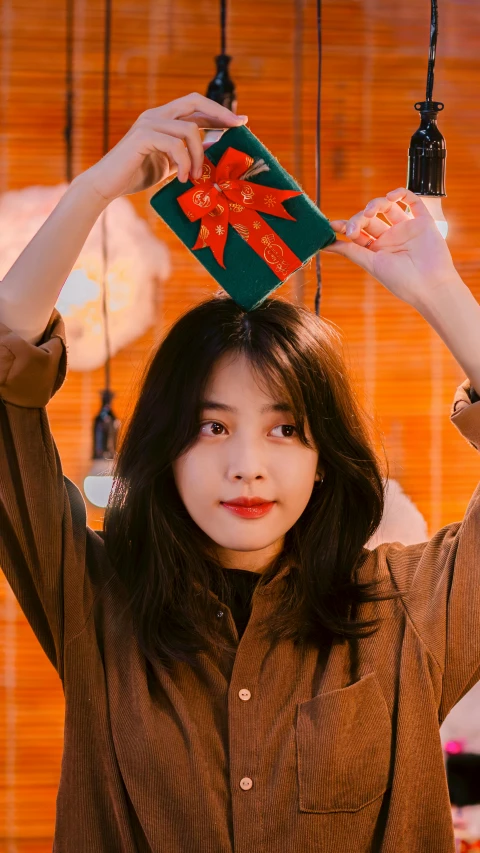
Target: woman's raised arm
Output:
[
  {"x": 31, "y": 287},
  {"x": 412, "y": 260},
  {"x": 162, "y": 141}
]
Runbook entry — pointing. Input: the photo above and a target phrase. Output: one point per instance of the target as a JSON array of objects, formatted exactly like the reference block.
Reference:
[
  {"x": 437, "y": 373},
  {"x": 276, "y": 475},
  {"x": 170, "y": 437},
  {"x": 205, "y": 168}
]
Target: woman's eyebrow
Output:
[{"x": 274, "y": 407}]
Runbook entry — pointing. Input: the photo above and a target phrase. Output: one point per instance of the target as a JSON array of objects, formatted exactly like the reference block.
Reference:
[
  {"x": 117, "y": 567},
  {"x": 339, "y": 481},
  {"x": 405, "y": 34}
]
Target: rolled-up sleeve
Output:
[
  {"x": 42, "y": 513},
  {"x": 440, "y": 579}
]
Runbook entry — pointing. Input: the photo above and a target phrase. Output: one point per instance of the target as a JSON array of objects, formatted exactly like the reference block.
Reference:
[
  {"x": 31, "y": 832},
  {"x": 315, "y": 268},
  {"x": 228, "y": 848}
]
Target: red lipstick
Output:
[{"x": 249, "y": 507}]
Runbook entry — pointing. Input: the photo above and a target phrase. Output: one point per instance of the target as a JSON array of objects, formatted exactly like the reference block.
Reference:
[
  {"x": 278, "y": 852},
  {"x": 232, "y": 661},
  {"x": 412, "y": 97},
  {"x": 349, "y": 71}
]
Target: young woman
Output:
[{"x": 240, "y": 672}]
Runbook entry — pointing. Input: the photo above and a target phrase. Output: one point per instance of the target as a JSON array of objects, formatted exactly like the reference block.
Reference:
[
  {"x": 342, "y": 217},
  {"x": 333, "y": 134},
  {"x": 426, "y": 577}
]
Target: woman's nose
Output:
[{"x": 247, "y": 465}]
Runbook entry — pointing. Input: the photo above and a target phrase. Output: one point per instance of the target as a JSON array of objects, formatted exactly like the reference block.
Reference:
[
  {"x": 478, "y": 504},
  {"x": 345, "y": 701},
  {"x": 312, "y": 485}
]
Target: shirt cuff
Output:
[
  {"x": 465, "y": 413},
  {"x": 30, "y": 374}
]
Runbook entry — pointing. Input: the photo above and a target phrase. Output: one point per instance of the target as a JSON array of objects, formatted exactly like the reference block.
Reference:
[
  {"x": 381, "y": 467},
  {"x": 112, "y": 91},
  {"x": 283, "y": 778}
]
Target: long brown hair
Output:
[{"x": 162, "y": 556}]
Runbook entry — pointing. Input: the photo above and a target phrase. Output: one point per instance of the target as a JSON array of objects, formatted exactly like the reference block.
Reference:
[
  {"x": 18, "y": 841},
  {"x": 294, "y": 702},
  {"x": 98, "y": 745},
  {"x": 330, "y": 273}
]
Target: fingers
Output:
[
  {"x": 359, "y": 255},
  {"x": 414, "y": 202},
  {"x": 364, "y": 239},
  {"x": 377, "y": 217},
  {"x": 205, "y": 122},
  {"x": 354, "y": 227},
  {"x": 388, "y": 208},
  {"x": 187, "y": 132},
  {"x": 196, "y": 103},
  {"x": 182, "y": 118},
  {"x": 174, "y": 148}
]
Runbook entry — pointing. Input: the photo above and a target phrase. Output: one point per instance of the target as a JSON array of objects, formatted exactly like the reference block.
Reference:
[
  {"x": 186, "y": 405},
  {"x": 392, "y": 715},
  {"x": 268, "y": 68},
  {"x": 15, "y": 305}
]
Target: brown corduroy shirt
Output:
[{"x": 278, "y": 751}]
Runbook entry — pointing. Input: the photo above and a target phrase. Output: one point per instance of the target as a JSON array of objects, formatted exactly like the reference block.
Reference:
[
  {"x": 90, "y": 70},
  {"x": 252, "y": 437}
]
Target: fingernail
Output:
[
  {"x": 242, "y": 119},
  {"x": 349, "y": 229}
]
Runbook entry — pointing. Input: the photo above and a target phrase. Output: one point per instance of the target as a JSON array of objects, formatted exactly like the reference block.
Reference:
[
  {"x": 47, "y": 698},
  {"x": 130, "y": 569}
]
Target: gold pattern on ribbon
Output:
[
  {"x": 270, "y": 200},
  {"x": 257, "y": 224},
  {"x": 201, "y": 198},
  {"x": 237, "y": 208},
  {"x": 248, "y": 194},
  {"x": 242, "y": 230},
  {"x": 206, "y": 172},
  {"x": 204, "y": 234},
  {"x": 273, "y": 254},
  {"x": 249, "y": 161},
  {"x": 217, "y": 211},
  {"x": 220, "y": 229}
]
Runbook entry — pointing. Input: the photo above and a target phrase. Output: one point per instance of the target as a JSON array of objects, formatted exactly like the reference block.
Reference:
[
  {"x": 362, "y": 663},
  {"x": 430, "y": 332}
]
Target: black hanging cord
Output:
[
  {"x": 318, "y": 267},
  {"x": 106, "y": 140},
  {"x": 68, "y": 130},
  {"x": 223, "y": 25},
  {"x": 433, "y": 50}
]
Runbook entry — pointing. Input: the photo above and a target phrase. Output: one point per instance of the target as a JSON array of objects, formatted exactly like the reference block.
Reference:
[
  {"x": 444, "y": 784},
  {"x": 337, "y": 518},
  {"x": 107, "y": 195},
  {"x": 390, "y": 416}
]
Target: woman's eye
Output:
[
  {"x": 291, "y": 430},
  {"x": 215, "y": 427}
]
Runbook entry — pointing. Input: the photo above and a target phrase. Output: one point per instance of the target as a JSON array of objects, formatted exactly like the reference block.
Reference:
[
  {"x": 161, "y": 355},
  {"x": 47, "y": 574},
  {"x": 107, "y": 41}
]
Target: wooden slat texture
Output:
[{"x": 374, "y": 68}]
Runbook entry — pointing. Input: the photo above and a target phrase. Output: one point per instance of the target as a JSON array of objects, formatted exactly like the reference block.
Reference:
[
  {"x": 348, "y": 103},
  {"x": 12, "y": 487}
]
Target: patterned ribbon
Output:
[{"x": 220, "y": 198}]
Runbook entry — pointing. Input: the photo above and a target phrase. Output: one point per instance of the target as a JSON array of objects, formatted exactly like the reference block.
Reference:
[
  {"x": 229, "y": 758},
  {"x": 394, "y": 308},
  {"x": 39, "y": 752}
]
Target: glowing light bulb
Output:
[
  {"x": 434, "y": 207},
  {"x": 98, "y": 482}
]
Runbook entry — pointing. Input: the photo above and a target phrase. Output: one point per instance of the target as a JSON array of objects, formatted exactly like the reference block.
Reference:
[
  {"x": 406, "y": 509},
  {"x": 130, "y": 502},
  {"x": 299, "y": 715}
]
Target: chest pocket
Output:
[{"x": 343, "y": 742}]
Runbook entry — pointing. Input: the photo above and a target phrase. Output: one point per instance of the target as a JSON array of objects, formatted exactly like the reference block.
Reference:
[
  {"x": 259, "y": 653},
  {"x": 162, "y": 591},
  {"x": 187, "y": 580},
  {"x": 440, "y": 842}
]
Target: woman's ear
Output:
[{"x": 319, "y": 476}]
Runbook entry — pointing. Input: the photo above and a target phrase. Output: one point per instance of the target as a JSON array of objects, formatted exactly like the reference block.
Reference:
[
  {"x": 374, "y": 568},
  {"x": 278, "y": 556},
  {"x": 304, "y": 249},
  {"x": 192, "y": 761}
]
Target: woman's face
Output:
[{"x": 245, "y": 449}]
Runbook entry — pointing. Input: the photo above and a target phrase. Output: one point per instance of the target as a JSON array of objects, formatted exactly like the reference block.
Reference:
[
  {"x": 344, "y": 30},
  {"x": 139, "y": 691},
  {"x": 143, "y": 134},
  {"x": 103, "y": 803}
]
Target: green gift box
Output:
[{"x": 246, "y": 220}]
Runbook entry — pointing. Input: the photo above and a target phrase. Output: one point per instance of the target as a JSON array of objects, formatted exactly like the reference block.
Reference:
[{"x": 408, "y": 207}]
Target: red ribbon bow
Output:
[{"x": 220, "y": 198}]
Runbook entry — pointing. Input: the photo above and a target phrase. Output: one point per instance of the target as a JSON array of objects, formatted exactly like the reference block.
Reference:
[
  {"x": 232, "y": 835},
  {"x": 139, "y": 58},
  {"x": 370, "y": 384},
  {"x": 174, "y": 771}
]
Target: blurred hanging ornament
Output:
[{"x": 138, "y": 261}]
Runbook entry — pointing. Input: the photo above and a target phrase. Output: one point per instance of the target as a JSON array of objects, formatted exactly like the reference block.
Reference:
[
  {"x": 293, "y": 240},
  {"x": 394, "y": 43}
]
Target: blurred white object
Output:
[
  {"x": 401, "y": 522},
  {"x": 137, "y": 261}
]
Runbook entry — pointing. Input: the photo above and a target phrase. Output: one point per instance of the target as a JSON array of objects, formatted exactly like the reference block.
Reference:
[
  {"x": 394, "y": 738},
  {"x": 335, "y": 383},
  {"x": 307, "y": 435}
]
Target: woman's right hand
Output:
[{"x": 163, "y": 140}]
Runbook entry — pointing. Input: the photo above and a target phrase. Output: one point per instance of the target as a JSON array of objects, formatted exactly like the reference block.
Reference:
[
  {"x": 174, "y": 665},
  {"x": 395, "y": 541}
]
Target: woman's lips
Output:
[{"x": 250, "y": 511}]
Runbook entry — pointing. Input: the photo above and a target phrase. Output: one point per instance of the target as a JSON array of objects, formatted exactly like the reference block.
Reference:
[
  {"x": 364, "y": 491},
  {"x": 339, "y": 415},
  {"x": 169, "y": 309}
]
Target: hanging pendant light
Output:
[
  {"x": 98, "y": 482},
  {"x": 318, "y": 264},
  {"x": 221, "y": 88},
  {"x": 428, "y": 152}
]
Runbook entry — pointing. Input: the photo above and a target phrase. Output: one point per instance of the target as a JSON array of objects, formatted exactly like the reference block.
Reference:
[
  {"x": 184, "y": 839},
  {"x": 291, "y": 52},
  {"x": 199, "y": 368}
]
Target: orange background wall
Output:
[{"x": 374, "y": 68}]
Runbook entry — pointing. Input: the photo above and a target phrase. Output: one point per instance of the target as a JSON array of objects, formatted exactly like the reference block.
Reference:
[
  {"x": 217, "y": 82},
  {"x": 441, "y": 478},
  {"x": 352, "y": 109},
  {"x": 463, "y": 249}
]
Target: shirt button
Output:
[
  {"x": 219, "y": 614},
  {"x": 246, "y": 783},
  {"x": 244, "y": 694}
]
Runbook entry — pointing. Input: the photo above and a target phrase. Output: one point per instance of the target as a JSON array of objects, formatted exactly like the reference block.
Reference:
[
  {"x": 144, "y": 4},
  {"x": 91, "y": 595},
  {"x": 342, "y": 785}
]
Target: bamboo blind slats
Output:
[{"x": 374, "y": 69}]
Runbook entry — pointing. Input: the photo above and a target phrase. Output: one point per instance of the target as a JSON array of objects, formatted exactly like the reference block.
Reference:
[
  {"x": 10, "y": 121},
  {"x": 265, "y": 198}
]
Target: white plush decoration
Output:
[
  {"x": 463, "y": 722},
  {"x": 401, "y": 522},
  {"x": 137, "y": 260}
]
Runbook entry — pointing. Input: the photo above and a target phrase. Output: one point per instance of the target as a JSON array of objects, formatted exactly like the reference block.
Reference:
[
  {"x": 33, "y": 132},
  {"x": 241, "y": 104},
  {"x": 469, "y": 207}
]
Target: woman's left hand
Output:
[{"x": 408, "y": 256}]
